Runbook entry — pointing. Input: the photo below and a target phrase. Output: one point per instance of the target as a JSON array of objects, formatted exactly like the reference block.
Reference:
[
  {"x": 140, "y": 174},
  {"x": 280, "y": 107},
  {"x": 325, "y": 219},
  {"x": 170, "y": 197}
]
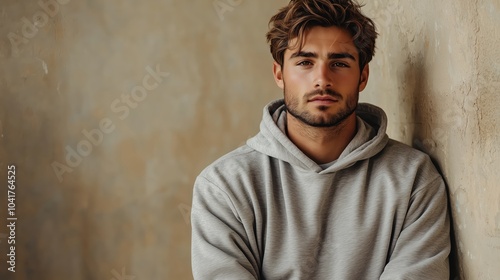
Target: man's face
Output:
[{"x": 322, "y": 81}]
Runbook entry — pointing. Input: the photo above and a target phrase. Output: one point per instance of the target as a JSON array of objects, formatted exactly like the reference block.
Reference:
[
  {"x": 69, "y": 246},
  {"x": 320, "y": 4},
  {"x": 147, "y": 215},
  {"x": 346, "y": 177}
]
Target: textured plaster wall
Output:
[
  {"x": 120, "y": 208},
  {"x": 106, "y": 151},
  {"x": 437, "y": 75}
]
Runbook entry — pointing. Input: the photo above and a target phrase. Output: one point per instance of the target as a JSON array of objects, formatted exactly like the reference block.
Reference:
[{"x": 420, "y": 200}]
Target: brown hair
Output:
[{"x": 300, "y": 15}]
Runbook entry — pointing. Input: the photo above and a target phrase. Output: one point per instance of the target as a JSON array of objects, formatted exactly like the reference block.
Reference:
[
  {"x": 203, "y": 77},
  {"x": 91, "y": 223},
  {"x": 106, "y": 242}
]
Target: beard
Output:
[{"x": 325, "y": 119}]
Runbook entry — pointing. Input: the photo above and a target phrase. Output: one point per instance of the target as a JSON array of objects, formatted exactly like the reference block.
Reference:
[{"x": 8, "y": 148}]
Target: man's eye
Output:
[
  {"x": 304, "y": 63},
  {"x": 339, "y": 64}
]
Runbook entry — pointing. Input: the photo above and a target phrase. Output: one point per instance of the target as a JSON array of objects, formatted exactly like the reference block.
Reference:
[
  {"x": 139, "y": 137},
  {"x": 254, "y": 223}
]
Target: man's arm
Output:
[
  {"x": 423, "y": 246},
  {"x": 220, "y": 247}
]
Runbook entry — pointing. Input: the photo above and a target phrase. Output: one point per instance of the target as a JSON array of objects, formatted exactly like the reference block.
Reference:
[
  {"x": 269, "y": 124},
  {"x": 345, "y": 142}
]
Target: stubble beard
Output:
[{"x": 308, "y": 118}]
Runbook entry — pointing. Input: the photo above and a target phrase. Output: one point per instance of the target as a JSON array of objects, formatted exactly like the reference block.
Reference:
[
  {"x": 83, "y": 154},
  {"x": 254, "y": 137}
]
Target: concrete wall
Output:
[{"x": 109, "y": 109}]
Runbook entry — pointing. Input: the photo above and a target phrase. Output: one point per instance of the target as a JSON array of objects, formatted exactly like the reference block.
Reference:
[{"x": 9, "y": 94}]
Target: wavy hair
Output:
[{"x": 299, "y": 16}]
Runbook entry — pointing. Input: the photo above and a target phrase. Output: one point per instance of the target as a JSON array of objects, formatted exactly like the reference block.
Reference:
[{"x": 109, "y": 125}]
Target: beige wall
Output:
[
  {"x": 121, "y": 207},
  {"x": 437, "y": 74}
]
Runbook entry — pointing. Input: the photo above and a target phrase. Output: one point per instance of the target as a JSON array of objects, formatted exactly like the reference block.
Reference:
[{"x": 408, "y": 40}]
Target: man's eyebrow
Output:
[{"x": 330, "y": 55}]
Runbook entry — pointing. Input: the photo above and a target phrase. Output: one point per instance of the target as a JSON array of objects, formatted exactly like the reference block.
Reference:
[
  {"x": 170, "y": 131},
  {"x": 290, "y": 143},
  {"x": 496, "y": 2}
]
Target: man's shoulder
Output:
[
  {"x": 404, "y": 160},
  {"x": 395, "y": 148},
  {"x": 241, "y": 159}
]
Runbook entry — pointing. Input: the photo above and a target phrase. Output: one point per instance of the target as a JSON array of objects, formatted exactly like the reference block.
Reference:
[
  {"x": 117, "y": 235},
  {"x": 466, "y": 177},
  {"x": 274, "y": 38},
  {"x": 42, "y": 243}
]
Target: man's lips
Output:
[{"x": 324, "y": 98}]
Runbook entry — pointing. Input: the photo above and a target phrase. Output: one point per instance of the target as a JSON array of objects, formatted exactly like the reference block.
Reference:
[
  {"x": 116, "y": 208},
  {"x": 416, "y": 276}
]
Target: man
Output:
[{"x": 321, "y": 192}]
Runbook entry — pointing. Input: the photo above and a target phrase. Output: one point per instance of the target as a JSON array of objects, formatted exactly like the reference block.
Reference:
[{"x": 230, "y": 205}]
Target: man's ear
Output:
[
  {"x": 278, "y": 75},
  {"x": 363, "y": 79}
]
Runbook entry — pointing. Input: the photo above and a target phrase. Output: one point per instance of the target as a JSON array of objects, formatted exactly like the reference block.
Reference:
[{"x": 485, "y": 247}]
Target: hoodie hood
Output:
[{"x": 272, "y": 140}]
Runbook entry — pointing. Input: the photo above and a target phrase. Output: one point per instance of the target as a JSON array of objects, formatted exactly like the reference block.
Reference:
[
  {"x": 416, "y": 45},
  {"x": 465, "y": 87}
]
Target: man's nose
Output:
[{"x": 323, "y": 76}]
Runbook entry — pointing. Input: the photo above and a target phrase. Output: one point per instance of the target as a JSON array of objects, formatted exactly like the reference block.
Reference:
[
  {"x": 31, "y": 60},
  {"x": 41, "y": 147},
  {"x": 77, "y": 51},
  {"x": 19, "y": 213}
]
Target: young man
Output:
[{"x": 321, "y": 192}]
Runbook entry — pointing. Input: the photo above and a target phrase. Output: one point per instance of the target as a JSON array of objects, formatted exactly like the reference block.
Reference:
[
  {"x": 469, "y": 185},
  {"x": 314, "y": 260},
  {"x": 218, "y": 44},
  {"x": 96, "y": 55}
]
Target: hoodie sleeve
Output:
[
  {"x": 423, "y": 246},
  {"x": 219, "y": 243}
]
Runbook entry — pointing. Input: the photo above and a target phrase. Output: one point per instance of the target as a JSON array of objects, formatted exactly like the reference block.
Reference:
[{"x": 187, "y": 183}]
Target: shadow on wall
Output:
[{"x": 416, "y": 104}]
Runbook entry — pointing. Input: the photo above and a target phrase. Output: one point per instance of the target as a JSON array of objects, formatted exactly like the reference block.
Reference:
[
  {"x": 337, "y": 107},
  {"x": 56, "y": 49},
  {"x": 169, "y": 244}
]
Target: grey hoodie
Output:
[{"x": 267, "y": 211}]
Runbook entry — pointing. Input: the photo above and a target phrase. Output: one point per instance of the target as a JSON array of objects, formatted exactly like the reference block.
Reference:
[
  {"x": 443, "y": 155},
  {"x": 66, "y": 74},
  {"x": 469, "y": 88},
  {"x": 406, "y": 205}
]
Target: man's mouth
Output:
[{"x": 324, "y": 99}]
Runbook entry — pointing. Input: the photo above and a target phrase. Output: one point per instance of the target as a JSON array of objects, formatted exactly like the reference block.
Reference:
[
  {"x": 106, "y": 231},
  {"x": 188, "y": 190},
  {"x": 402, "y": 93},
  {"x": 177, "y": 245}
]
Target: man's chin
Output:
[
  {"x": 327, "y": 118},
  {"x": 324, "y": 108}
]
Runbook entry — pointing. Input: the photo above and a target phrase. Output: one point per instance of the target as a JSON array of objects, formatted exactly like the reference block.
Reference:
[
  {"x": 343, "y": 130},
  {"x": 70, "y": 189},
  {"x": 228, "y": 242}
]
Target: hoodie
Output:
[{"x": 267, "y": 211}]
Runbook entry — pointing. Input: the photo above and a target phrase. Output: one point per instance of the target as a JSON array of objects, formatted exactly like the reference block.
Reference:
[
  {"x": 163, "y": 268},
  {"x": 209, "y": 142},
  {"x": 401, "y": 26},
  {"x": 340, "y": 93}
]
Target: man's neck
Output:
[{"x": 321, "y": 144}]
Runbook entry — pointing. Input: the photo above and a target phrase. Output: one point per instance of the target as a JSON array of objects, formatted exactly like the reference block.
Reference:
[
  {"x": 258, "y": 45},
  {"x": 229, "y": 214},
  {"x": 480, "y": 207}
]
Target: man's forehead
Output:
[
  {"x": 331, "y": 38},
  {"x": 327, "y": 46}
]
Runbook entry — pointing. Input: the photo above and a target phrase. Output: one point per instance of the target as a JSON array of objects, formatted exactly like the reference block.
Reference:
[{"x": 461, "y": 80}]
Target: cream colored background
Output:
[{"x": 124, "y": 209}]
